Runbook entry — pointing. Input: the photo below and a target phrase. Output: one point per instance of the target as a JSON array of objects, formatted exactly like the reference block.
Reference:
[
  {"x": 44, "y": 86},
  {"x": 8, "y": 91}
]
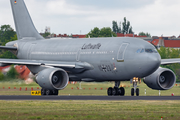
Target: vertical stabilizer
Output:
[{"x": 22, "y": 20}]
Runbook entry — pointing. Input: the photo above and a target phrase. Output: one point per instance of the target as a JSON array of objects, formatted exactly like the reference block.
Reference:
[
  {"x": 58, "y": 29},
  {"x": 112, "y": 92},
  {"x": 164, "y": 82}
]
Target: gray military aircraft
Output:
[{"x": 55, "y": 62}]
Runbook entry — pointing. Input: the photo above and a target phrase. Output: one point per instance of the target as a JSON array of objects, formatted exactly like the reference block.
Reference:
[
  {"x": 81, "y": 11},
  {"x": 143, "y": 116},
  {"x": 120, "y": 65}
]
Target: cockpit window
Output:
[
  {"x": 138, "y": 51},
  {"x": 147, "y": 50},
  {"x": 142, "y": 50}
]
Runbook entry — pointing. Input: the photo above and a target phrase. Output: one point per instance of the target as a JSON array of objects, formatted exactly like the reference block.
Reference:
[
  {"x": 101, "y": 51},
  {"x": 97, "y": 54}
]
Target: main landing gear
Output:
[
  {"x": 135, "y": 89},
  {"x": 116, "y": 90},
  {"x": 49, "y": 92}
]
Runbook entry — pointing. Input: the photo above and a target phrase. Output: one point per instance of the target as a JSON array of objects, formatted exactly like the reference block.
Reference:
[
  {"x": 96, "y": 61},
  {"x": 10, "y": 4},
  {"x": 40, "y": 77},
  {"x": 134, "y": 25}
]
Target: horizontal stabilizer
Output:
[{"x": 8, "y": 48}]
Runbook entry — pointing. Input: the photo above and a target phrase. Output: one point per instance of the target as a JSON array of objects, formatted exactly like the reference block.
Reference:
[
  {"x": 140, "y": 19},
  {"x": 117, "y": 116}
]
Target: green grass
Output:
[
  {"x": 80, "y": 110},
  {"x": 69, "y": 91}
]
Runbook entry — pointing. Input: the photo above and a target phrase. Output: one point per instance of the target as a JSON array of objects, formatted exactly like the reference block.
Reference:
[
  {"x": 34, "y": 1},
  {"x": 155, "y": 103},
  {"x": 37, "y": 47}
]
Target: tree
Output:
[
  {"x": 107, "y": 32},
  {"x": 130, "y": 30},
  {"x": 119, "y": 30},
  {"x": 46, "y": 34},
  {"x": 6, "y": 32},
  {"x": 144, "y": 34},
  {"x": 94, "y": 33},
  {"x": 104, "y": 32},
  {"x": 8, "y": 54},
  {"x": 126, "y": 27},
  {"x": 13, "y": 38},
  {"x": 115, "y": 27},
  {"x": 12, "y": 73}
]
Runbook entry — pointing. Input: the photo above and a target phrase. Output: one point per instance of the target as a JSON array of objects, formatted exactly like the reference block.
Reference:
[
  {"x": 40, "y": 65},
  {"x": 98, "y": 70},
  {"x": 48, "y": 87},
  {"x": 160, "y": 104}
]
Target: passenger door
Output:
[{"x": 121, "y": 52}]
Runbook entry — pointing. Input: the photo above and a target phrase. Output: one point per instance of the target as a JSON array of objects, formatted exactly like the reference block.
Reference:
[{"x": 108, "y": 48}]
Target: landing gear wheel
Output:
[
  {"x": 122, "y": 91},
  {"x": 137, "y": 91},
  {"x": 109, "y": 91},
  {"x": 49, "y": 92},
  {"x": 118, "y": 91},
  {"x": 132, "y": 92},
  {"x": 55, "y": 92},
  {"x": 43, "y": 91},
  {"x": 114, "y": 91}
]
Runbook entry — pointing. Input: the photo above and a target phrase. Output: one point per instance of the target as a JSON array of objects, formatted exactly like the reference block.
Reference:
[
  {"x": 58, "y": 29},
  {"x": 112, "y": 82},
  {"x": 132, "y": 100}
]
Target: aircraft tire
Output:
[
  {"x": 49, "y": 92},
  {"x": 114, "y": 91},
  {"x": 55, "y": 92},
  {"x": 109, "y": 91},
  {"x": 137, "y": 91},
  {"x": 132, "y": 92},
  {"x": 122, "y": 91},
  {"x": 118, "y": 91},
  {"x": 43, "y": 92}
]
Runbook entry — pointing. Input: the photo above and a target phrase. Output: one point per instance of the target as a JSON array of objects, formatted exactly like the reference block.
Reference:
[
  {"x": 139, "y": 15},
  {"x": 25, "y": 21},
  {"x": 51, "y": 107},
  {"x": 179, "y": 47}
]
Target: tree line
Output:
[
  {"x": 123, "y": 27},
  {"x": 7, "y": 34}
]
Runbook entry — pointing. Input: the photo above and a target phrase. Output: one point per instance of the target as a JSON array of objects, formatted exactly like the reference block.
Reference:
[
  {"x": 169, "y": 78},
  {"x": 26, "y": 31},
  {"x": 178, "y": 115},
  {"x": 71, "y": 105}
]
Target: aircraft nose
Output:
[{"x": 154, "y": 61}]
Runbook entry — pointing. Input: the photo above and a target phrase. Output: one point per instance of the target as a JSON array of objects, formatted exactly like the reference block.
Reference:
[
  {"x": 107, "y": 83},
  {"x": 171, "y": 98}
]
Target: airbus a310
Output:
[{"x": 55, "y": 62}]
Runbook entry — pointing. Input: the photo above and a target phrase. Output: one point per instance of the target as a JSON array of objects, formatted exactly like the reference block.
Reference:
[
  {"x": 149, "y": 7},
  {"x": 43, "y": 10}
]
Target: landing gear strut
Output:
[
  {"x": 116, "y": 90},
  {"x": 135, "y": 89},
  {"x": 49, "y": 92}
]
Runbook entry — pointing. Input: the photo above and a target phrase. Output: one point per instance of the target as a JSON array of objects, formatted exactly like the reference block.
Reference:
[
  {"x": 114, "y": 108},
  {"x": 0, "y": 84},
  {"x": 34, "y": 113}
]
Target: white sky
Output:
[{"x": 156, "y": 17}]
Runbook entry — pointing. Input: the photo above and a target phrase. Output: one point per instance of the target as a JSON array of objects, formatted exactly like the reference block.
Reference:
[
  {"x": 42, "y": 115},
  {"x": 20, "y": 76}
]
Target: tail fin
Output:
[{"x": 22, "y": 20}]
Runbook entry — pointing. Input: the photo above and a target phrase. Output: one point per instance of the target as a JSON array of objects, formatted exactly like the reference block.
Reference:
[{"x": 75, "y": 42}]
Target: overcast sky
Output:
[{"x": 156, "y": 17}]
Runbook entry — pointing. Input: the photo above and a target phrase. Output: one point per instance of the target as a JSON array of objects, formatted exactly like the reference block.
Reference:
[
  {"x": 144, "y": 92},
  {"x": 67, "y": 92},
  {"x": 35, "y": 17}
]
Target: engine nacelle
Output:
[
  {"x": 53, "y": 78},
  {"x": 161, "y": 79}
]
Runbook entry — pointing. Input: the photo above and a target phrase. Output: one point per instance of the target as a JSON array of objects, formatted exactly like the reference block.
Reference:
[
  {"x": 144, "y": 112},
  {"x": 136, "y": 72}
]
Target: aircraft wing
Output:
[
  {"x": 169, "y": 61},
  {"x": 61, "y": 64}
]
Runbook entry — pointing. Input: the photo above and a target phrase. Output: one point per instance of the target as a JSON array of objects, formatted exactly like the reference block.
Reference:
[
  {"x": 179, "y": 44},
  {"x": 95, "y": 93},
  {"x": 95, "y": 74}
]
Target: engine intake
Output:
[
  {"x": 53, "y": 78},
  {"x": 161, "y": 79}
]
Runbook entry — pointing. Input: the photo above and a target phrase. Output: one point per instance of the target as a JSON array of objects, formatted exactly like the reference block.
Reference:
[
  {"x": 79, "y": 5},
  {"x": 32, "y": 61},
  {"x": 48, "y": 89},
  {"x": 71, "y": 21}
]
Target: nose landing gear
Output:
[
  {"x": 116, "y": 90},
  {"x": 135, "y": 89}
]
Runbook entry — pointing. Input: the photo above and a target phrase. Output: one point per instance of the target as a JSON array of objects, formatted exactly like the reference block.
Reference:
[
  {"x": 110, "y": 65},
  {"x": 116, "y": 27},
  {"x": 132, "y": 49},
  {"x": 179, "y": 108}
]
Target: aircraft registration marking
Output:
[{"x": 35, "y": 92}]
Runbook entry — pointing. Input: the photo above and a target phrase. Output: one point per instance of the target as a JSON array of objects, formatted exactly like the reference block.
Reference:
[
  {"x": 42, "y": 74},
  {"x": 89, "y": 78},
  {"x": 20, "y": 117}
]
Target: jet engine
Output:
[
  {"x": 52, "y": 78},
  {"x": 161, "y": 79}
]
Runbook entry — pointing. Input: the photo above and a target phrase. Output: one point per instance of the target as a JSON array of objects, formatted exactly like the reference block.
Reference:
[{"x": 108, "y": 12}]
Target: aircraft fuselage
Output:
[{"x": 112, "y": 58}]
